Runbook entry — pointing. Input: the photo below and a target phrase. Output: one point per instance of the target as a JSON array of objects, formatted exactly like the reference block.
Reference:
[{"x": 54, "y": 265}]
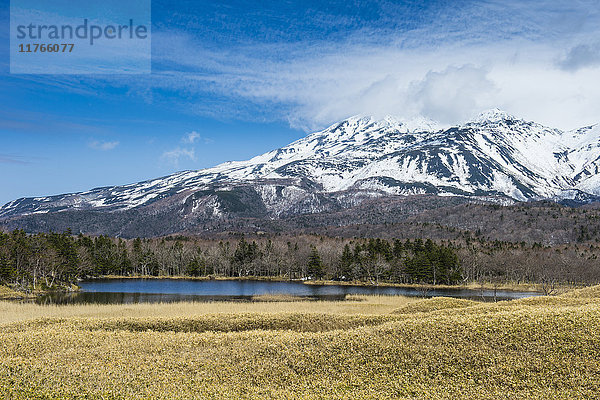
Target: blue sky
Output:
[{"x": 234, "y": 79}]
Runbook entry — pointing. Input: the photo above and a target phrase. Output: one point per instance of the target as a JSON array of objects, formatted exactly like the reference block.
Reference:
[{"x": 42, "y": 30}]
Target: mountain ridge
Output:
[{"x": 494, "y": 157}]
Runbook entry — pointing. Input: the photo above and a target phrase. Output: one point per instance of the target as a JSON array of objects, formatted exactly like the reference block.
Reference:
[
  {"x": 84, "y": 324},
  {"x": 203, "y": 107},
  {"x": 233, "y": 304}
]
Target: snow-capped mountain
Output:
[{"x": 494, "y": 155}]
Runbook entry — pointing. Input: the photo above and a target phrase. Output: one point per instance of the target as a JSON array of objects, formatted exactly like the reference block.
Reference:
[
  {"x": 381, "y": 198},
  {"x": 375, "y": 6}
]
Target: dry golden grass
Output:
[
  {"x": 589, "y": 292},
  {"x": 355, "y": 304},
  {"x": 434, "y": 304},
  {"x": 275, "y": 298},
  {"x": 539, "y": 348},
  {"x": 8, "y": 293}
]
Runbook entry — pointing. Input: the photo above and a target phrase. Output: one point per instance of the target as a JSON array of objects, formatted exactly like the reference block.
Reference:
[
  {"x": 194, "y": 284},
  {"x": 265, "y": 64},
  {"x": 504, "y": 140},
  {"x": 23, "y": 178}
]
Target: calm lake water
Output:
[{"x": 124, "y": 291}]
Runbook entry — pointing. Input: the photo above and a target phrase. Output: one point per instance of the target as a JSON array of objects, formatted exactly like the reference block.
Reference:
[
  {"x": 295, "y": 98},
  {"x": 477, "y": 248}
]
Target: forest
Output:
[
  {"x": 56, "y": 260},
  {"x": 45, "y": 260}
]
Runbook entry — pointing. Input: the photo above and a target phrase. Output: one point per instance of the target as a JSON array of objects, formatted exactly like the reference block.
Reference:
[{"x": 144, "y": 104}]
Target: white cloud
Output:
[
  {"x": 175, "y": 156},
  {"x": 103, "y": 146},
  {"x": 454, "y": 94},
  {"x": 448, "y": 84},
  {"x": 191, "y": 137},
  {"x": 565, "y": 100},
  {"x": 184, "y": 153}
]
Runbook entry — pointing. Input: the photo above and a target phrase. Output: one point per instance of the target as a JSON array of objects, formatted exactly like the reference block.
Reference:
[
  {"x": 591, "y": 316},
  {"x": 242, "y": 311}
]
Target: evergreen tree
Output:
[
  {"x": 7, "y": 273},
  {"x": 315, "y": 266},
  {"x": 345, "y": 264},
  {"x": 6, "y": 270}
]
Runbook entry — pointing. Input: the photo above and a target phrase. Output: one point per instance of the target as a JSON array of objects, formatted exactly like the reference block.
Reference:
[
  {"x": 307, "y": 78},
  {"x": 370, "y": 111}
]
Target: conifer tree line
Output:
[
  {"x": 52, "y": 260},
  {"x": 48, "y": 260}
]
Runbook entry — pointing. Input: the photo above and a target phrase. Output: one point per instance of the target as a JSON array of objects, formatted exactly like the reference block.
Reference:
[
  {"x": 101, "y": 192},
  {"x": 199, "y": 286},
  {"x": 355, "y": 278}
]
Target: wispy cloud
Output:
[
  {"x": 175, "y": 156},
  {"x": 26, "y": 121},
  {"x": 103, "y": 146},
  {"x": 446, "y": 60},
  {"x": 191, "y": 137},
  {"x": 184, "y": 153},
  {"x": 446, "y": 84},
  {"x": 452, "y": 64},
  {"x": 13, "y": 159}
]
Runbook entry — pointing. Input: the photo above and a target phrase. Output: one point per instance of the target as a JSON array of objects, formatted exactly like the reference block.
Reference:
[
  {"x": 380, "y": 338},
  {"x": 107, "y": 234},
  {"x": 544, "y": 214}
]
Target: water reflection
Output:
[{"x": 128, "y": 291}]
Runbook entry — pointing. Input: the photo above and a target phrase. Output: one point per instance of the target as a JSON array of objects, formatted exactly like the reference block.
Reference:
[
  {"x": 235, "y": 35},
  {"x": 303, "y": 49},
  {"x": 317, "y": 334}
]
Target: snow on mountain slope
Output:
[
  {"x": 494, "y": 154},
  {"x": 584, "y": 155}
]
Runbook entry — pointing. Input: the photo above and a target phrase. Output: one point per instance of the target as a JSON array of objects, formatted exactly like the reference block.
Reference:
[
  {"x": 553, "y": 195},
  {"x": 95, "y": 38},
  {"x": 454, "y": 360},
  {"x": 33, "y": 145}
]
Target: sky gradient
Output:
[{"x": 234, "y": 79}]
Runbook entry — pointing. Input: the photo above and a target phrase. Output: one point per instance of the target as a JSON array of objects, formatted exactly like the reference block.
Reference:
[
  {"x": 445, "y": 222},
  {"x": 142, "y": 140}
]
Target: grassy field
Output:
[{"x": 368, "y": 347}]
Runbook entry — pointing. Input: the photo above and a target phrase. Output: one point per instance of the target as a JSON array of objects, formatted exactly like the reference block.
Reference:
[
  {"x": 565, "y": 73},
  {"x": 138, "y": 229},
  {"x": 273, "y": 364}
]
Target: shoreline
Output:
[
  {"x": 512, "y": 287},
  {"x": 9, "y": 294}
]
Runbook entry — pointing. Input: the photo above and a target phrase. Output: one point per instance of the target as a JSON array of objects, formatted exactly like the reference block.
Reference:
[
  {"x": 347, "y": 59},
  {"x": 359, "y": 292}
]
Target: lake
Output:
[{"x": 127, "y": 291}]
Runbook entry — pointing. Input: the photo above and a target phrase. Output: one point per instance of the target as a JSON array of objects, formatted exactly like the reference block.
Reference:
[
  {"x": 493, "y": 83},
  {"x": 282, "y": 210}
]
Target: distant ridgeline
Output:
[
  {"x": 49, "y": 260},
  {"x": 360, "y": 171}
]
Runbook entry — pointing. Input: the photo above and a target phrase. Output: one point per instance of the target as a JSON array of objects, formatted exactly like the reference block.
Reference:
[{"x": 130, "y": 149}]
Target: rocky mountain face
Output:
[{"x": 493, "y": 158}]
